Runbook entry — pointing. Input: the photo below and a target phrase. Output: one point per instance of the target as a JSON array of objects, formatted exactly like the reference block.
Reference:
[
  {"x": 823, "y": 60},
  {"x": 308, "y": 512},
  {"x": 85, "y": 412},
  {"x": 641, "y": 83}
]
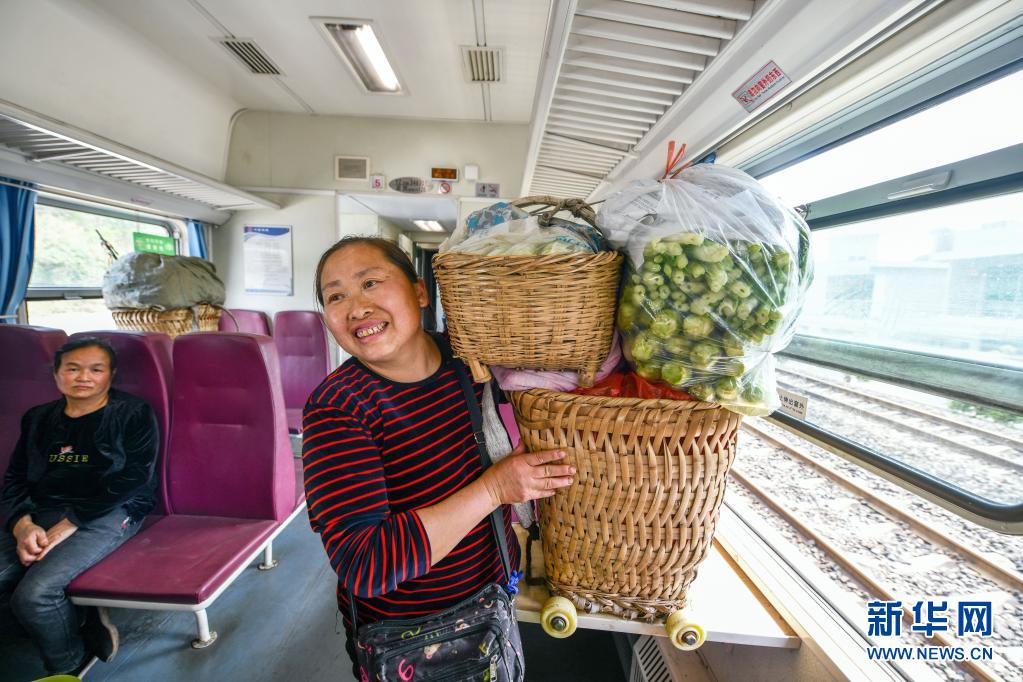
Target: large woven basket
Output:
[
  {"x": 531, "y": 312},
  {"x": 170, "y": 322},
  {"x": 628, "y": 535}
]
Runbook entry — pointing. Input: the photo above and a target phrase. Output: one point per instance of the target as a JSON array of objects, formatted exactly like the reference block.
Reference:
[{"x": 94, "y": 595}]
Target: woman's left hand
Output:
[{"x": 57, "y": 534}]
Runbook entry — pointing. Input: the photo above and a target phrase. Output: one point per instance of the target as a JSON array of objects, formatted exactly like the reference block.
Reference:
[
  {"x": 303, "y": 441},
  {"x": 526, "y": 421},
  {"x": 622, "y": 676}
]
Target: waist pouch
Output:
[{"x": 476, "y": 639}]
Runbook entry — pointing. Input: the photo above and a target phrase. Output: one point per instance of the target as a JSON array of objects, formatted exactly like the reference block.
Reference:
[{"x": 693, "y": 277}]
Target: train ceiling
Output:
[
  {"x": 624, "y": 63},
  {"x": 424, "y": 41}
]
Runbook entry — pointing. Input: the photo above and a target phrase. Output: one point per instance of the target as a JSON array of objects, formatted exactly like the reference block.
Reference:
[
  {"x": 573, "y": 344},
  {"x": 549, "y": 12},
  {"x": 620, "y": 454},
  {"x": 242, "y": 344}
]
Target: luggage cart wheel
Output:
[
  {"x": 684, "y": 634},
  {"x": 558, "y": 618}
]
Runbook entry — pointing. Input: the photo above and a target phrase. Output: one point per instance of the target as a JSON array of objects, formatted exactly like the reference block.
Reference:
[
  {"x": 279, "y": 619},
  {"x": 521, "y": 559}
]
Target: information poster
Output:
[{"x": 266, "y": 252}]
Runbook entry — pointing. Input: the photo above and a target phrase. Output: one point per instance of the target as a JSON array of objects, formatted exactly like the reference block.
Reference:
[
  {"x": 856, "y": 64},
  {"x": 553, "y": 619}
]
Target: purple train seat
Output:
[
  {"x": 249, "y": 321},
  {"x": 305, "y": 358},
  {"x": 230, "y": 484},
  {"x": 144, "y": 369},
  {"x": 27, "y": 380}
]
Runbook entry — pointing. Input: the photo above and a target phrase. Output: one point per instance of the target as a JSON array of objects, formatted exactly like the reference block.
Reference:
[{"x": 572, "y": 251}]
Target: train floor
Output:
[{"x": 283, "y": 625}]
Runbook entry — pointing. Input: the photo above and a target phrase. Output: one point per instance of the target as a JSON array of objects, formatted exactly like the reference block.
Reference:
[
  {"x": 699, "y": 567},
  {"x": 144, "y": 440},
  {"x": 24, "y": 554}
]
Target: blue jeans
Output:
[{"x": 32, "y": 599}]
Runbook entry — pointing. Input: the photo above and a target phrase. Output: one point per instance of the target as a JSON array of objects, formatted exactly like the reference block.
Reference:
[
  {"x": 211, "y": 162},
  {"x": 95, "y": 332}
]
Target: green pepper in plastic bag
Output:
[{"x": 716, "y": 276}]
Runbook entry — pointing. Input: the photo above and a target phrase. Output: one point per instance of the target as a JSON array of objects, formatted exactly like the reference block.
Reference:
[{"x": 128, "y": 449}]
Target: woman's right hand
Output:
[
  {"x": 32, "y": 540},
  {"x": 524, "y": 476}
]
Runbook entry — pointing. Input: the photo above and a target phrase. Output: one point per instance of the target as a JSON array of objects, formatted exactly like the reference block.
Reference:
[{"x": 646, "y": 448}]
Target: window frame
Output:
[
  {"x": 79, "y": 293},
  {"x": 986, "y": 175},
  {"x": 969, "y": 67}
]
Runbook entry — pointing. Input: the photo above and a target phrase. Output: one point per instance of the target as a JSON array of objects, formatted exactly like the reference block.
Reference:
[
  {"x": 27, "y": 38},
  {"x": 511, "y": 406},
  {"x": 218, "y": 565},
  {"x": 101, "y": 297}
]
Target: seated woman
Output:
[
  {"x": 393, "y": 478},
  {"x": 79, "y": 483}
]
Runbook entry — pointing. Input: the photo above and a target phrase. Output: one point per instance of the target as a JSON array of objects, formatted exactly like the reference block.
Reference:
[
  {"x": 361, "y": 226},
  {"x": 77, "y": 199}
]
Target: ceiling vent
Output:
[
  {"x": 251, "y": 55},
  {"x": 351, "y": 168},
  {"x": 482, "y": 64}
]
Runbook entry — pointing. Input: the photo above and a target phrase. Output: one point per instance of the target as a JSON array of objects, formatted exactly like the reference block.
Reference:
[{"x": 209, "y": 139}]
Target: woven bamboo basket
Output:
[
  {"x": 627, "y": 536},
  {"x": 171, "y": 322},
  {"x": 531, "y": 312}
]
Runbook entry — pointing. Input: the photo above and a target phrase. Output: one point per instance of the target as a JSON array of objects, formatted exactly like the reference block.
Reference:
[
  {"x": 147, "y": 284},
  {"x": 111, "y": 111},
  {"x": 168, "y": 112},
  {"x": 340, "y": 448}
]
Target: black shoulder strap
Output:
[{"x": 497, "y": 517}]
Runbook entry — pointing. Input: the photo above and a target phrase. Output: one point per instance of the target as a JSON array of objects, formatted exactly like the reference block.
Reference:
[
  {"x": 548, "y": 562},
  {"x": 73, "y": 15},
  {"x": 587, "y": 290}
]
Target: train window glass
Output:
[
  {"x": 946, "y": 281},
  {"x": 976, "y": 448},
  {"x": 74, "y": 315},
  {"x": 68, "y": 250},
  {"x": 932, "y": 137},
  {"x": 70, "y": 260}
]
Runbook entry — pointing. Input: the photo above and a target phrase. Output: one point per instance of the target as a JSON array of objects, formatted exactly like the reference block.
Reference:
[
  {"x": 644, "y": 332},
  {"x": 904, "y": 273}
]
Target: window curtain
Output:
[
  {"x": 17, "y": 239},
  {"x": 197, "y": 239}
]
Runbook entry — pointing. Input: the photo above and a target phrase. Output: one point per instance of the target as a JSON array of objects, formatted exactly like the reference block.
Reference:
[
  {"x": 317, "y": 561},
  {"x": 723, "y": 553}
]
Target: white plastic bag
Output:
[
  {"x": 507, "y": 230},
  {"x": 716, "y": 275}
]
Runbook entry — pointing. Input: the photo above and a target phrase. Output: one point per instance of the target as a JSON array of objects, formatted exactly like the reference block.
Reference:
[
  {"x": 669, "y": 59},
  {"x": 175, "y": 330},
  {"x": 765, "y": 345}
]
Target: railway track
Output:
[
  {"x": 1007, "y": 578},
  {"x": 917, "y": 423},
  {"x": 932, "y": 416}
]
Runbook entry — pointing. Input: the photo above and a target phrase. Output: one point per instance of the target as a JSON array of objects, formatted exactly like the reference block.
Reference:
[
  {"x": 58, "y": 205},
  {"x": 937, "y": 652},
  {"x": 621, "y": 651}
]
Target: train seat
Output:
[
  {"x": 249, "y": 321},
  {"x": 27, "y": 380},
  {"x": 230, "y": 484},
  {"x": 144, "y": 369},
  {"x": 179, "y": 559},
  {"x": 305, "y": 359}
]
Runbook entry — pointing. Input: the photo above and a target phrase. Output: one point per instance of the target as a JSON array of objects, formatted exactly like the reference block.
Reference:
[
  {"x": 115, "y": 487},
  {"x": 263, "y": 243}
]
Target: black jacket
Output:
[{"x": 127, "y": 436}]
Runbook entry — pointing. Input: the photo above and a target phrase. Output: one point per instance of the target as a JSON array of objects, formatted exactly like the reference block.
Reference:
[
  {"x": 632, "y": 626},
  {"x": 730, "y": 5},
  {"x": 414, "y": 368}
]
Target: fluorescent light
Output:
[
  {"x": 377, "y": 58},
  {"x": 357, "y": 44},
  {"x": 429, "y": 225}
]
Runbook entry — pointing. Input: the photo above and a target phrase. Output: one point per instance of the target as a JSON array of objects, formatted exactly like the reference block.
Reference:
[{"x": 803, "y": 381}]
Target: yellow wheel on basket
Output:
[
  {"x": 558, "y": 617},
  {"x": 684, "y": 634}
]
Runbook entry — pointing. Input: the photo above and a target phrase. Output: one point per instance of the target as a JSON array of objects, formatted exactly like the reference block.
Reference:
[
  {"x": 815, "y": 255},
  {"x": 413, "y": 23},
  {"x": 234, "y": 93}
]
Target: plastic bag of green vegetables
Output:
[{"x": 716, "y": 274}]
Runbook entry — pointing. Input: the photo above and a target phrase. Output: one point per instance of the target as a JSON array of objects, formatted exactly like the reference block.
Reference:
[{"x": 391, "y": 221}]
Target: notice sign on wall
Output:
[
  {"x": 266, "y": 252},
  {"x": 764, "y": 85},
  {"x": 153, "y": 243}
]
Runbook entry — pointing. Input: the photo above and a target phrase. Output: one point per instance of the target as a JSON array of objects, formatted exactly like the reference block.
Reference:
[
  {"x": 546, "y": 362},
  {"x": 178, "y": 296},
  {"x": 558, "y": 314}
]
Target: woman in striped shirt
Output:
[{"x": 393, "y": 479}]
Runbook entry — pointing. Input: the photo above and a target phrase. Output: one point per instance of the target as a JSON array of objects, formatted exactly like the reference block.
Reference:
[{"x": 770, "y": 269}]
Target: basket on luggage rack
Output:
[
  {"x": 171, "y": 322},
  {"x": 627, "y": 536},
  {"x": 531, "y": 312}
]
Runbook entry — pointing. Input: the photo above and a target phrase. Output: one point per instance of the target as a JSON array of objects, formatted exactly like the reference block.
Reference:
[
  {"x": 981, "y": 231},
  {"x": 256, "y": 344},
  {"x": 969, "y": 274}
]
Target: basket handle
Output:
[
  {"x": 577, "y": 207},
  {"x": 223, "y": 310}
]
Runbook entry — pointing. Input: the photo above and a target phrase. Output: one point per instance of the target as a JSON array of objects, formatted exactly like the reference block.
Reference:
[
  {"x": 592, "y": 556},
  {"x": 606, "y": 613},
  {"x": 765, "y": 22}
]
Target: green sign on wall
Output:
[{"x": 153, "y": 243}]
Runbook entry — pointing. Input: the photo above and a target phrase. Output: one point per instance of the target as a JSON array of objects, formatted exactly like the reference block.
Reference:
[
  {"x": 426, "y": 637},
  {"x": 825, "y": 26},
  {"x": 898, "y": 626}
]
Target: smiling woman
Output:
[
  {"x": 394, "y": 479},
  {"x": 371, "y": 298}
]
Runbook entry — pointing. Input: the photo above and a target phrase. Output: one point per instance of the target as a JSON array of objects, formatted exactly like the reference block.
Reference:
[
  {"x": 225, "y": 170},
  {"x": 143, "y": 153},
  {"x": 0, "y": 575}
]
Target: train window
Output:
[
  {"x": 64, "y": 290},
  {"x": 910, "y": 348},
  {"x": 932, "y": 137},
  {"x": 945, "y": 281},
  {"x": 971, "y": 446}
]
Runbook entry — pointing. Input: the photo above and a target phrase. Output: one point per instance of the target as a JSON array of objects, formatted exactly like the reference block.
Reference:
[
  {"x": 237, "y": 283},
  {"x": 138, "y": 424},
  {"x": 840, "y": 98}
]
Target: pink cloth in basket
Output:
[{"x": 525, "y": 379}]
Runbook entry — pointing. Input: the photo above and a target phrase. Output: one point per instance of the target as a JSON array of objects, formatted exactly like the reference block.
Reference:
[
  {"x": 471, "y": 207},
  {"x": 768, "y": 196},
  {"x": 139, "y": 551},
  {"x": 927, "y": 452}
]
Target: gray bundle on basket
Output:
[{"x": 149, "y": 281}]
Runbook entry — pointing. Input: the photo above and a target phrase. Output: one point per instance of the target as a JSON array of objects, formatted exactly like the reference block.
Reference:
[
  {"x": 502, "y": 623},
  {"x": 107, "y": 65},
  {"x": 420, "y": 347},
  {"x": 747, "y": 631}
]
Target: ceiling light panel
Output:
[
  {"x": 624, "y": 63},
  {"x": 358, "y": 44}
]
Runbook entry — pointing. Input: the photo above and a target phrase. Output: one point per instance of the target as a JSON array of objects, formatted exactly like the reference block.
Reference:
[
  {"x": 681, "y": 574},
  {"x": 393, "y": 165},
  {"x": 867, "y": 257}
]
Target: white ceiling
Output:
[
  {"x": 403, "y": 209},
  {"x": 422, "y": 38}
]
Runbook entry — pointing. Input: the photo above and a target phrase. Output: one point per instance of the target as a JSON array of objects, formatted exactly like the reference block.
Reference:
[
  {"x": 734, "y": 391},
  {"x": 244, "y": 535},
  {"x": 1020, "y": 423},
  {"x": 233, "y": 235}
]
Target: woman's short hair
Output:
[
  {"x": 85, "y": 342},
  {"x": 389, "y": 249}
]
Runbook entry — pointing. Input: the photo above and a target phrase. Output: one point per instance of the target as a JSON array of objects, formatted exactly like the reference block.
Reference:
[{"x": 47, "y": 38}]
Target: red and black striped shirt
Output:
[{"x": 374, "y": 451}]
